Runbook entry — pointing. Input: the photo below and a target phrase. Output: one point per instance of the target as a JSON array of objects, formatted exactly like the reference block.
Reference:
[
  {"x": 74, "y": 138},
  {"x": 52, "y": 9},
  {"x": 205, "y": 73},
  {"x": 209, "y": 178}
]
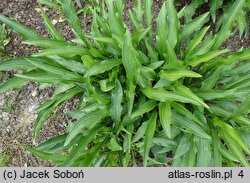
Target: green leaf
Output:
[
  {"x": 129, "y": 59},
  {"x": 63, "y": 73},
  {"x": 161, "y": 35},
  {"x": 190, "y": 126},
  {"x": 215, "y": 5},
  {"x": 69, "y": 11},
  {"x": 45, "y": 113},
  {"x": 140, "y": 132},
  {"x": 25, "y": 32},
  {"x": 230, "y": 59},
  {"x": 50, "y": 27},
  {"x": 113, "y": 145},
  {"x": 14, "y": 82},
  {"x": 40, "y": 76},
  {"x": 115, "y": 20},
  {"x": 185, "y": 91},
  {"x": 216, "y": 94},
  {"x": 185, "y": 112},
  {"x": 91, "y": 155},
  {"x": 19, "y": 63},
  {"x": 183, "y": 147},
  {"x": 231, "y": 133},
  {"x": 165, "y": 117},
  {"x": 88, "y": 121},
  {"x": 81, "y": 146},
  {"x": 195, "y": 41},
  {"x": 127, "y": 145},
  {"x": 57, "y": 158},
  {"x": 228, "y": 20},
  {"x": 144, "y": 108},
  {"x": 52, "y": 142},
  {"x": 242, "y": 23},
  {"x": 210, "y": 82},
  {"x": 47, "y": 43},
  {"x": 236, "y": 150},
  {"x": 72, "y": 65},
  {"x": 116, "y": 103},
  {"x": 204, "y": 153},
  {"x": 63, "y": 51},
  {"x": 148, "y": 12},
  {"x": 194, "y": 61},
  {"x": 193, "y": 26},
  {"x": 163, "y": 95},
  {"x": 102, "y": 67},
  {"x": 173, "y": 75},
  {"x": 150, "y": 131},
  {"x": 173, "y": 24}
]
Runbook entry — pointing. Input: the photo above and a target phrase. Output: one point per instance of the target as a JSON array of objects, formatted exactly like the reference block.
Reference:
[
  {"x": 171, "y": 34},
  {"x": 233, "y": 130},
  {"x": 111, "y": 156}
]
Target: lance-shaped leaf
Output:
[
  {"x": 129, "y": 59},
  {"x": 173, "y": 24},
  {"x": 150, "y": 131},
  {"x": 204, "y": 152},
  {"x": 63, "y": 51},
  {"x": 185, "y": 112},
  {"x": 89, "y": 120},
  {"x": 25, "y": 32},
  {"x": 190, "y": 126},
  {"x": 235, "y": 148},
  {"x": 215, "y": 5},
  {"x": 165, "y": 115},
  {"x": 229, "y": 59},
  {"x": 116, "y": 24},
  {"x": 196, "y": 41},
  {"x": 185, "y": 91},
  {"x": 19, "y": 63},
  {"x": 228, "y": 20},
  {"x": 52, "y": 142},
  {"x": 102, "y": 67},
  {"x": 210, "y": 82},
  {"x": 69, "y": 11},
  {"x": 72, "y": 65},
  {"x": 173, "y": 75},
  {"x": 163, "y": 95},
  {"x": 14, "y": 82},
  {"x": 127, "y": 145},
  {"x": 63, "y": 73},
  {"x": 194, "y": 61},
  {"x": 148, "y": 12},
  {"x": 56, "y": 158},
  {"x": 144, "y": 108},
  {"x": 140, "y": 132},
  {"x": 44, "y": 113},
  {"x": 161, "y": 35},
  {"x": 40, "y": 76},
  {"x": 50, "y": 27},
  {"x": 183, "y": 147},
  {"x": 47, "y": 43},
  {"x": 81, "y": 146},
  {"x": 193, "y": 26},
  {"x": 232, "y": 133},
  {"x": 91, "y": 155},
  {"x": 116, "y": 103}
]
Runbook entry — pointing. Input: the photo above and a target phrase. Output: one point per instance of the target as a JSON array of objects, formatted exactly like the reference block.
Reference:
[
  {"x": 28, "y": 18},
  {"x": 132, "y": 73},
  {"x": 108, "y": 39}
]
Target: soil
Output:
[{"x": 17, "y": 107}]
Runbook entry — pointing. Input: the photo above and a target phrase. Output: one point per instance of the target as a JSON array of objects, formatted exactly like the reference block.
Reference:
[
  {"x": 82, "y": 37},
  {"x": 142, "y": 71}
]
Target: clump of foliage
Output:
[
  {"x": 216, "y": 5},
  {"x": 144, "y": 94}
]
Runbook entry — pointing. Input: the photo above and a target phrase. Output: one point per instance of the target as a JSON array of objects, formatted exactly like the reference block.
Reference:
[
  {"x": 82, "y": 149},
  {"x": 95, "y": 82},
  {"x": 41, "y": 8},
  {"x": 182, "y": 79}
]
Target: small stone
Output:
[{"x": 54, "y": 21}]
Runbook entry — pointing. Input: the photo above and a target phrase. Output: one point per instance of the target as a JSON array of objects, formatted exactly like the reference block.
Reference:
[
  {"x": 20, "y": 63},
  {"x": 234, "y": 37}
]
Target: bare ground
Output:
[{"x": 17, "y": 107}]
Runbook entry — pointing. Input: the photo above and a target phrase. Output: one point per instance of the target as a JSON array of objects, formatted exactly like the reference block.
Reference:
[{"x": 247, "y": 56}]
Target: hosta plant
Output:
[{"x": 168, "y": 96}]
